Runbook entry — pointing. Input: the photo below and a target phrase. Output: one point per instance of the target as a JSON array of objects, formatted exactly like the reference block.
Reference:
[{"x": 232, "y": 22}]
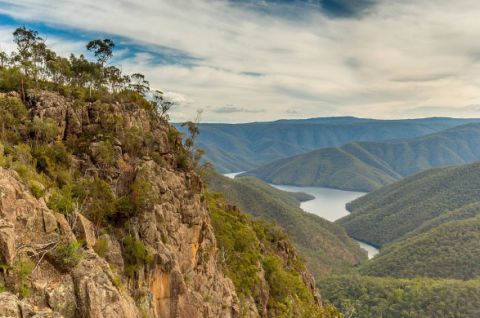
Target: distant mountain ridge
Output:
[
  {"x": 241, "y": 147},
  {"x": 365, "y": 166}
]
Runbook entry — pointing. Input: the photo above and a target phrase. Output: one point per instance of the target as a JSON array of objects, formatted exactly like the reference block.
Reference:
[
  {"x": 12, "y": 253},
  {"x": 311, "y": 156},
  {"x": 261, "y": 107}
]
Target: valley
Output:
[
  {"x": 328, "y": 204},
  {"x": 426, "y": 223}
]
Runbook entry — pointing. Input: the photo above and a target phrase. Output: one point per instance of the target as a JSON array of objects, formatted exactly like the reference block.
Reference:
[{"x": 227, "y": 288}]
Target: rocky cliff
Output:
[
  {"x": 181, "y": 278},
  {"x": 102, "y": 215}
]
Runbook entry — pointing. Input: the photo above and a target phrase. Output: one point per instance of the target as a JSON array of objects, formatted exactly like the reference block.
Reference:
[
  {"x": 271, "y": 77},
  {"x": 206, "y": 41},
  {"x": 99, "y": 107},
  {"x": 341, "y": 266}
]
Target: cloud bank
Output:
[{"x": 284, "y": 59}]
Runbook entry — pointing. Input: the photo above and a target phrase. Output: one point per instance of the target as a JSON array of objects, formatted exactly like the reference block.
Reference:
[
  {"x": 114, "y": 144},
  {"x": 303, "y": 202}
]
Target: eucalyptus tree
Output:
[
  {"x": 60, "y": 70},
  {"x": 4, "y": 59},
  {"x": 139, "y": 84},
  {"x": 113, "y": 76},
  {"x": 30, "y": 47},
  {"x": 161, "y": 103},
  {"x": 85, "y": 73},
  {"x": 102, "y": 49}
]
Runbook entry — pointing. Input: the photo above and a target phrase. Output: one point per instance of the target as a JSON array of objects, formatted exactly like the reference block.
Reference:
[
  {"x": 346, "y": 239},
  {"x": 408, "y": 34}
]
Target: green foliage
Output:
[
  {"x": 136, "y": 255},
  {"x": 362, "y": 296},
  {"x": 67, "y": 255},
  {"x": 103, "y": 49},
  {"x": 133, "y": 141},
  {"x": 53, "y": 160},
  {"x": 10, "y": 79},
  {"x": 283, "y": 283},
  {"x": 249, "y": 247},
  {"x": 183, "y": 160},
  {"x": 325, "y": 246},
  {"x": 23, "y": 267},
  {"x": 105, "y": 154},
  {"x": 239, "y": 246},
  {"x": 62, "y": 200},
  {"x": 101, "y": 247},
  {"x": 13, "y": 113},
  {"x": 125, "y": 208},
  {"x": 37, "y": 189},
  {"x": 44, "y": 130},
  {"x": 450, "y": 250},
  {"x": 96, "y": 198},
  {"x": 139, "y": 84},
  {"x": 35, "y": 182},
  {"x": 144, "y": 195},
  {"x": 394, "y": 211}
]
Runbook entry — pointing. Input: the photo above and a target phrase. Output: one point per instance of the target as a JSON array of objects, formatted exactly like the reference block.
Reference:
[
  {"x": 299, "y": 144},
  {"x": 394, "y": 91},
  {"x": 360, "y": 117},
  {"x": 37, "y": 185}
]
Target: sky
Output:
[{"x": 247, "y": 60}]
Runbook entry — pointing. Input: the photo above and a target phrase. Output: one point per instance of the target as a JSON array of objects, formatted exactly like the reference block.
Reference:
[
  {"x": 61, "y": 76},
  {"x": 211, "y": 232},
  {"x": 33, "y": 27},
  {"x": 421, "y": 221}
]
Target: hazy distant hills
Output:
[
  {"x": 364, "y": 166},
  {"x": 325, "y": 245},
  {"x": 240, "y": 147},
  {"x": 431, "y": 220}
]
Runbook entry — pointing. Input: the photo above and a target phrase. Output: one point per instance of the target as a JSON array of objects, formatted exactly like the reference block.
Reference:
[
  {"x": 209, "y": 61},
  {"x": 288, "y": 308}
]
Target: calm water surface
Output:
[{"x": 328, "y": 204}]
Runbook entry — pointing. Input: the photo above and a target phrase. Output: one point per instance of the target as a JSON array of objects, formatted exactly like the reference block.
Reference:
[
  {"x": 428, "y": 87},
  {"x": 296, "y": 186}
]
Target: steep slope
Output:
[
  {"x": 365, "y": 166},
  {"x": 414, "y": 204},
  {"x": 324, "y": 245},
  {"x": 263, "y": 265},
  {"x": 363, "y": 296},
  {"x": 451, "y": 250},
  {"x": 113, "y": 233},
  {"x": 240, "y": 147}
]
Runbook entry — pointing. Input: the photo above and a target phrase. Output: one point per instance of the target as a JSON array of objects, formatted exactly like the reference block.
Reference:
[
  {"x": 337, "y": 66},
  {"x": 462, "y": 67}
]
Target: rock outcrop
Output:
[{"x": 183, "y": 279}]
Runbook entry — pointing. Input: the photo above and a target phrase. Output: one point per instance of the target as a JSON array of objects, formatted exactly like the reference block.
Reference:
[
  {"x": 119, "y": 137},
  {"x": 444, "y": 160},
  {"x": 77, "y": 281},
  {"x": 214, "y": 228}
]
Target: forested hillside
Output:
[
  {"x": 451, "y": 250},
  {"x": 263, "y": 265},
  {"x": 434, "y": 196},
  {"x": 241, "y": 147},
  {"x": 365, "y": 166},
  {"x": 324, "y": 245},
  {"x": 365, "y": 297}
]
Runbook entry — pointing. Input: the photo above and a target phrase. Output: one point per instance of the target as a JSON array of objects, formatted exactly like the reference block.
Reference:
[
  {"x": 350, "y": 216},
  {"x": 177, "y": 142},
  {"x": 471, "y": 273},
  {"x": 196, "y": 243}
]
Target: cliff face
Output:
[{"x": 181, "y": 277}]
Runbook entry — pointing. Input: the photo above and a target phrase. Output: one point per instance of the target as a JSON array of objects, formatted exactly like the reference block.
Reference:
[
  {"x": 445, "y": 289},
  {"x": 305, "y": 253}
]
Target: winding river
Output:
[{"x": 328, "y": 204}]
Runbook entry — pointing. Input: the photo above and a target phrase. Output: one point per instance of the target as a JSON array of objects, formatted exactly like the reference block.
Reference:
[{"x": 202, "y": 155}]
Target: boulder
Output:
[{"x": 84, "y": 230}]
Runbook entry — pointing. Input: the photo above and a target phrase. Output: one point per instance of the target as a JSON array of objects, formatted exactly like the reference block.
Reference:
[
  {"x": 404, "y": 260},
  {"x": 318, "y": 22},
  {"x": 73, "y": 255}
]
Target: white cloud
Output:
[{"x": 404, "y": 55}]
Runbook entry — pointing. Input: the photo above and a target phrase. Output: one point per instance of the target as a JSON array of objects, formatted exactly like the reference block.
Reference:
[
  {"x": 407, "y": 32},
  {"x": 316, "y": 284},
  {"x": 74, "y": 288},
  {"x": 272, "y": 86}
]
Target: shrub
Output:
[
  {"x": 97, "y": 199},
  {"x": 44, "y": 130},
  {"x": 144, "y": 195},
  {"x": 183, "y": 160},
  {"x": 136, "y": 255},
  {"x": 23, "y": 153},
  {"x": 106, "y": 154},
  {"x": 22, "y": 268},
  {"x": 67, "y": 255},
  {"x": 62, "y": 201},
  {"x": 37, "y": 189},
  {"x": 10, "y": 79},
  {"x": 12, "y": 115},
  {"x": 101, "y": 247},
  {"x": 133, "y": 141},
  {"x": 125, "y": 208}
]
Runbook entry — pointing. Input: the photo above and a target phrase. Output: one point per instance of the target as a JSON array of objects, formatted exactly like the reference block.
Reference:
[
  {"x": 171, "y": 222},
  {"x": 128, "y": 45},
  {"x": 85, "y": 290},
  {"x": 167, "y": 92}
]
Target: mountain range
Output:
[
  {"x": 241, "y": 147},
  {"x": 365, "y": 166}
]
